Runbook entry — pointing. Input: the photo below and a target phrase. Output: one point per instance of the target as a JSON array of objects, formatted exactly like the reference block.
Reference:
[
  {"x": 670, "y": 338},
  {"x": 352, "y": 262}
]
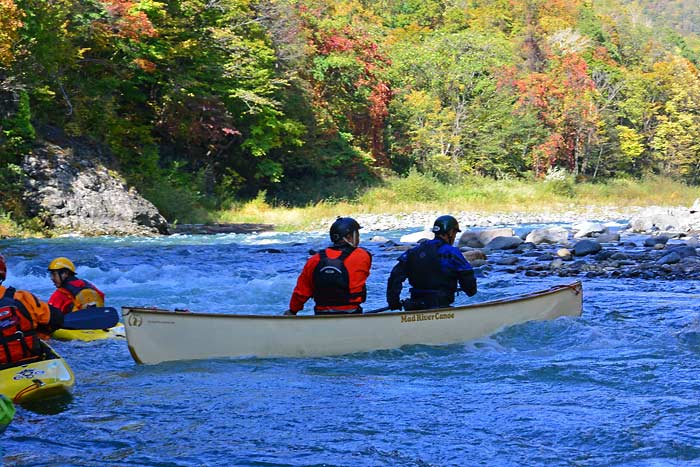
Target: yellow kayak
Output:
[
  {"x": 87, "y": 335},
  {"x": 37, "y": 380}
]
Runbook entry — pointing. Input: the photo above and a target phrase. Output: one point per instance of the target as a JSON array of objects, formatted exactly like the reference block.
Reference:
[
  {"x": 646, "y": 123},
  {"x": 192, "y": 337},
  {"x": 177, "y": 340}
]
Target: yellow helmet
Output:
[{"x": 62, "y": 263}]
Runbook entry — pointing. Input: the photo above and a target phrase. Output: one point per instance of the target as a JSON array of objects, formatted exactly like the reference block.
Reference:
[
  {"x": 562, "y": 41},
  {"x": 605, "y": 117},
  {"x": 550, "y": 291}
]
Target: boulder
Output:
[
  {"x": 670, "y": 258},
  {"x": 480, "y": 238},
  {"x": 470, "y": 239},
  {"x": 565, "y": 254},
  {"x": 684, "y": 251},
  {"x": 608, "y": 237},
  {"x": 74, "y": 187},
  {"x": 667, "y": 219},
  {"x": 586, "y": 247},
  {"x": 657, "y": 240},
  {"x": 588, "y": 229},
  {"x": 552, "y": 235},
  {"x": 504, "y": 243},
  {"x": 473, "y": 255}
]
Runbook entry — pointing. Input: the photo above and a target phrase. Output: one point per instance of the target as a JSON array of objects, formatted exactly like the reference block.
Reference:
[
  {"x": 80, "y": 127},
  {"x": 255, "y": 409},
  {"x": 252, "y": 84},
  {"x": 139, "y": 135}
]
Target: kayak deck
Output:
[
  {"x": 89, "y": 335},
  {"x": 37, "y": 380}
]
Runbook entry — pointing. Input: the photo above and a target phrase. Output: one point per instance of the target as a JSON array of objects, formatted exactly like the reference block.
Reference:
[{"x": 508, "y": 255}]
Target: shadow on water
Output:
[{"x": 50, "y": 406}]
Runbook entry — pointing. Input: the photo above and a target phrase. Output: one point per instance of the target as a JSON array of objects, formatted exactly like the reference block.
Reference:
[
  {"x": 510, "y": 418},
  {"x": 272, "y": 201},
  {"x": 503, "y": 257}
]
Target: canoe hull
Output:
[
  {"x": 38, "y": 380},
  {"x": 89, "y": 335},
  {"x": 156, "y": 336}
]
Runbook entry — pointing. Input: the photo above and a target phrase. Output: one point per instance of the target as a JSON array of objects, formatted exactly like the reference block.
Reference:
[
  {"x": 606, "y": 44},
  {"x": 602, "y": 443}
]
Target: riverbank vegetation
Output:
[
  {"x": 420, "y": 192},
  {"x": 212, "y": 110}
]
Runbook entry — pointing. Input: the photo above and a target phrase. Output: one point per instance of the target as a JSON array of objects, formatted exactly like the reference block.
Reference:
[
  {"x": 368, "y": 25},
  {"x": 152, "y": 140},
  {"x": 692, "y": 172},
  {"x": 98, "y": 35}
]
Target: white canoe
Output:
[{"x": 156, "y": 336}]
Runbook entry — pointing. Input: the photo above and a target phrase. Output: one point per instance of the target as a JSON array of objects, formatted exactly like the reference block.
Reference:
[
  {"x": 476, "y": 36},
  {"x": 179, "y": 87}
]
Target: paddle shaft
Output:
[{"x": 378, "y": 310}]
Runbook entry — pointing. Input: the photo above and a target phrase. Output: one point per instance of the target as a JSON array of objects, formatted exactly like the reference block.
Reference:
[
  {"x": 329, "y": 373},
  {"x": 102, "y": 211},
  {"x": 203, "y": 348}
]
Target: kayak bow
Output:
[{"x": 37, "y": 380}]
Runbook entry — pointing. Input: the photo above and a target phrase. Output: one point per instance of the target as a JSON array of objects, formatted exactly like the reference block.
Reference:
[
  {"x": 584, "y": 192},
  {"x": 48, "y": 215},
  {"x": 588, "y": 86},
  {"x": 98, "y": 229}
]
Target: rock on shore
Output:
[
  {"x": 657, "y": 243},
  {"x": 72, "y": 187}
]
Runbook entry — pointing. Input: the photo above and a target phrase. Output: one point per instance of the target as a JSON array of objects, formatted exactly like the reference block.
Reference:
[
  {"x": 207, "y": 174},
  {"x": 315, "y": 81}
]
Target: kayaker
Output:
[
  {"x": 335, "y": 277},
  {"x": 22, "y": 316},
  {"x": 72, "y": 293},
  {"x": 434, "y": 269}
]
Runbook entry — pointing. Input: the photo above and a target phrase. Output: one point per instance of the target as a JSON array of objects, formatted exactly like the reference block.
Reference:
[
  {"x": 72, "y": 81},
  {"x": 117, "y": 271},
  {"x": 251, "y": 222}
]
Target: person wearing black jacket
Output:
[{"x": 434, "y": 270}]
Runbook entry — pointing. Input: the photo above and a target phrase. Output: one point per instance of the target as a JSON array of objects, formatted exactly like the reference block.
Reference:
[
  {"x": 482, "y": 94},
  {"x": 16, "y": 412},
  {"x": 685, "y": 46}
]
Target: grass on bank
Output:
[
  {"x": 423, "y": 193},
  {"x": 11, "y": 229},
  {"x": 418, "y": 192}
]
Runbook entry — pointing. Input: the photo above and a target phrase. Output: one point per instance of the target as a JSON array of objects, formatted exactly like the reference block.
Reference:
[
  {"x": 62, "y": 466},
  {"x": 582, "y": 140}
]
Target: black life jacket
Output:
[
  {"x": 425, "y": 273},
  {"x": 18, "y": 339},
  {"x": 332, "y": 281}
]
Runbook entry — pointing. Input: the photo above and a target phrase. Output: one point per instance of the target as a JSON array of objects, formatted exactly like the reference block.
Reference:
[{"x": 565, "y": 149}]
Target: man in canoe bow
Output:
[
  {"x": 22, "y": 316},
  {"x": 434, "y": 269},
  {"x": 335, "y": 277}
]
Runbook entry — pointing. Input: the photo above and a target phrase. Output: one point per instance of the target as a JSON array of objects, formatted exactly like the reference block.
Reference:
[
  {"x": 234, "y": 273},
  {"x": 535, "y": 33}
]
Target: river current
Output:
[{"x": 619, "y": 386}]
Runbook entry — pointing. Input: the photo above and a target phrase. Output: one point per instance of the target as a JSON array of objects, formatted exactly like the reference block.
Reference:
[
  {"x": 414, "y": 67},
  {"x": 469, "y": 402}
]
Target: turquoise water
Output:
[{"x": 617, "y": 387}]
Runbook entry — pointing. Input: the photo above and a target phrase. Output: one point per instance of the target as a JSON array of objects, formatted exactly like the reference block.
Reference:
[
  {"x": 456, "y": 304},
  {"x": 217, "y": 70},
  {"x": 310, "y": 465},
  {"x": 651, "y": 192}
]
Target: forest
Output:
[{"x": 209, "y": 102}]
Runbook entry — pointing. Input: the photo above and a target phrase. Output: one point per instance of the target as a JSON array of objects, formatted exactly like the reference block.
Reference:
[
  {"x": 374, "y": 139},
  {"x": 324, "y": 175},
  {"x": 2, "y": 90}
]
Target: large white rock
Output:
[
  {"x": 587, "y": 229},
  {"x": 552, "y": 235},
  {"x": 415, "y": 237}
]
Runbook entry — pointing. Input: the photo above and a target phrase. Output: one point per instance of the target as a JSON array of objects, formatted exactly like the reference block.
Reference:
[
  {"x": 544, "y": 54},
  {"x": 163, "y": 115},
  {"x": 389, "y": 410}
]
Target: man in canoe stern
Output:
[
  {"x": 434, "y": 269},
  {"x": 336, "y": 276},
  {"x": 22, "y": 317},
  {"x": 72, "y": 293}
]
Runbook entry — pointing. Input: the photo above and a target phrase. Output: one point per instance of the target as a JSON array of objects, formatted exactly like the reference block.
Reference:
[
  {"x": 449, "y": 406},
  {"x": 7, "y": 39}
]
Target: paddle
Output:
[
  {"x": 91, "y": 318},
  {"x": 378, "y": 310}
]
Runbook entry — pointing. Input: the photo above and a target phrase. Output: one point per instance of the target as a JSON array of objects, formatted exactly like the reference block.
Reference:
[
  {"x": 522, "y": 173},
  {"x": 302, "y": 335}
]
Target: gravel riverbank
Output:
[{"x": 467, "y": 219}]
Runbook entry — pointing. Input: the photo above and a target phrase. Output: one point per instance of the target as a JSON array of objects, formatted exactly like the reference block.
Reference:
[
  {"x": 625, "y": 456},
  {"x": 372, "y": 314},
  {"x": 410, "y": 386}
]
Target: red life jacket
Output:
[
  {"x": 18, "y": 339},
  {"x": 332, "y": 281}
]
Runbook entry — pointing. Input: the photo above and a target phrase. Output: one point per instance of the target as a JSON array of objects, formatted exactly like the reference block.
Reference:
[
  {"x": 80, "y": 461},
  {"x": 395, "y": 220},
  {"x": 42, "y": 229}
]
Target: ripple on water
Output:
[{"x": 617, "y": 386}]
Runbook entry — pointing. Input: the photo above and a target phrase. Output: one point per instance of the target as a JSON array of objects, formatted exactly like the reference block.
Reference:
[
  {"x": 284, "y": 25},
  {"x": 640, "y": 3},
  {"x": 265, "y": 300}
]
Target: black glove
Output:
[{"x": 395, "y": 304}]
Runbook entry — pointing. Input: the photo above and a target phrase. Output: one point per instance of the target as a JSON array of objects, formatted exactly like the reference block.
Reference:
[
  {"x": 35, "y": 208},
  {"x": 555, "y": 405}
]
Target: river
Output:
[{"x": 617, "y": 387}]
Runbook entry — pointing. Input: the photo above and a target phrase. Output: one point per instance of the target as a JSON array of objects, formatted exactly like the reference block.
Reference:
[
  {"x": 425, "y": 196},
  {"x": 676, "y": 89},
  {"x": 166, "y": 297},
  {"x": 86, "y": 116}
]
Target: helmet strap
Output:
[{"x": 355, "y": 239}]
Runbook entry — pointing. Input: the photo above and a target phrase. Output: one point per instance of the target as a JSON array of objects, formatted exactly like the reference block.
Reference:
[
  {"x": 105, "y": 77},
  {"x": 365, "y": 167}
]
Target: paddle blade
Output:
[{"x": 91, "y": 318}]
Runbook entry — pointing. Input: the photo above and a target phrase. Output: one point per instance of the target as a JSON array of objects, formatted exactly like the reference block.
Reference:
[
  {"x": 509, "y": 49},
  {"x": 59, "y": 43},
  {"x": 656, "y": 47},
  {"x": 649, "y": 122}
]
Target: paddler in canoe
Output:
[
  {"x": 336, "y": 276},
  {"x": 434, "y": 269}
]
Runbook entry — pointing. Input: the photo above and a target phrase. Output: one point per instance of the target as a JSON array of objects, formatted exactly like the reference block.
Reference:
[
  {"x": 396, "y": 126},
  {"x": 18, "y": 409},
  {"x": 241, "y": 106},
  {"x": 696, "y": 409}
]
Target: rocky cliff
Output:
[{"x": 73, "y": 186}]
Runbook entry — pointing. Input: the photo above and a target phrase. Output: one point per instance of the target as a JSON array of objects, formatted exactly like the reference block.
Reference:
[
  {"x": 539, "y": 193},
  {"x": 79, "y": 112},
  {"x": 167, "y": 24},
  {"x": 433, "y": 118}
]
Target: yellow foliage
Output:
[{"x": 10, "y": 23}]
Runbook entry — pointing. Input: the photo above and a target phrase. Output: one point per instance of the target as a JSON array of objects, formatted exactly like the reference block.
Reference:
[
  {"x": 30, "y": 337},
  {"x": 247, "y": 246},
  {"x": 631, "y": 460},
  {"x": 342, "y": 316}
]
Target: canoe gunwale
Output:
[{"x": 576, "y": 286}]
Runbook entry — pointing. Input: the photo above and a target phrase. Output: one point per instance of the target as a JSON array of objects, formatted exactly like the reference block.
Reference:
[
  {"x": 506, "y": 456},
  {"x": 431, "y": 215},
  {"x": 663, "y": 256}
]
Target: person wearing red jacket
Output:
[
  {"x": 22, "y": 317},
  {"x": 335, "y": 277},
  {"x": 71, "y": 293}
]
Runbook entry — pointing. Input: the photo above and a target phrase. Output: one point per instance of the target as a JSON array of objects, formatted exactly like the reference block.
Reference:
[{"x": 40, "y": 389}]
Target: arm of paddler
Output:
[
  {"x": 467, "y": 282},
  {"x": 61, "y": 299},
  {"x": 393, "y": 288},
  {"x": 305, "y": 286},
  {"x": 46, "y": 318}
]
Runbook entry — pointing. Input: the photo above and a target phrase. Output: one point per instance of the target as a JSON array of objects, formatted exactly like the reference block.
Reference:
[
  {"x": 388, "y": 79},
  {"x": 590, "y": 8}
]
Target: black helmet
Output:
[
  {"x": 342, "y": 227},
  {"x": 444, "y": 224}
]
